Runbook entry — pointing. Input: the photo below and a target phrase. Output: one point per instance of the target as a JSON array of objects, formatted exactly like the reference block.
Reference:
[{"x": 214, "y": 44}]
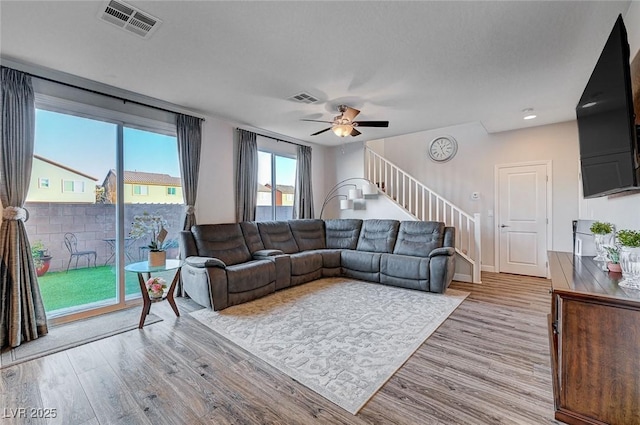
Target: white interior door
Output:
[{"x": 522, "y": 219}]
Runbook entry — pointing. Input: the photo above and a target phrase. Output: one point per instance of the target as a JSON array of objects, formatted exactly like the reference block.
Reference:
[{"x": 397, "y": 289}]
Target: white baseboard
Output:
[
  {"x": 463, "y": 277},
  {"x": 490, "y": 269}
]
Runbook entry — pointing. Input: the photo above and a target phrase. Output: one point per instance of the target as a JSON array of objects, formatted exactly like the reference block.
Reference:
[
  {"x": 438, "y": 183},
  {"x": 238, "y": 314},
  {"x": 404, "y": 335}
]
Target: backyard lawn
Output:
[{"x": 83, "y": 286}]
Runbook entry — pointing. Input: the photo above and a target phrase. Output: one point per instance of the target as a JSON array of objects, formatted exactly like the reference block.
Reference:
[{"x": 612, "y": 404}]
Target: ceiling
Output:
[{"x": 420, "y": 65}]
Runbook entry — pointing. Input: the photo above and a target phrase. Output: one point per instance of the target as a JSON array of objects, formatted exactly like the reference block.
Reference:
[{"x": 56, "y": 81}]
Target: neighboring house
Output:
[
  {"x": 145, "y": 188},
  {"x": 264, "y": 195},
  {"x": 284, "y": 195},
  {"x": 55, "y": 182}
]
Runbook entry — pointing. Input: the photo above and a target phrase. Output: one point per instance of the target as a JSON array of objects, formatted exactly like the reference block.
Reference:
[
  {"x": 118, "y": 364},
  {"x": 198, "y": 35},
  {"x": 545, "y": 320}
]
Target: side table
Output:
[{"x": 143, "y": 268}]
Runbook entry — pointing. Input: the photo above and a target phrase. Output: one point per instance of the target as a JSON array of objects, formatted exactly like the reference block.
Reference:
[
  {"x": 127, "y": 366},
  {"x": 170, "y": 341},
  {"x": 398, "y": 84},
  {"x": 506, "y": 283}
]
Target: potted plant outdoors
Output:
[
  {"x": 41, "y": 258},
  {"x": 630, "y": 258},
  {"x": 602, "y": 235},
  {"x": 613, "y": 253},
  {"x": 154, "y": 226}
]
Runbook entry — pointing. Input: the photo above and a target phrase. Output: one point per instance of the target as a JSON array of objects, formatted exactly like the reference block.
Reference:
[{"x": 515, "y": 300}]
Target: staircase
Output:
[{"x": 426, "y": 205}]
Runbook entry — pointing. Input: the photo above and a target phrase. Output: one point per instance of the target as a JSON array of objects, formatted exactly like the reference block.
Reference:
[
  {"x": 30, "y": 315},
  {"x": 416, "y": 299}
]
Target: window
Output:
[
  {"x": 74, "y": 186},
  {"x": 43, "y": 183},
  {"x": 171, "y": 191},
  {"x": 140, "y": 190},
  {"x": 276, "y": 187}
]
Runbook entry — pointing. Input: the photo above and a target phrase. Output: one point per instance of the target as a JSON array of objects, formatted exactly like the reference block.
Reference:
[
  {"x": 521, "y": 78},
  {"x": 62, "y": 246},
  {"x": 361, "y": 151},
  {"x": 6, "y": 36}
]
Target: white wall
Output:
[
  {"x": 620, "y": 210},
  {"x": 216, "y": 190},
  {"x": 472, "y": 170}
]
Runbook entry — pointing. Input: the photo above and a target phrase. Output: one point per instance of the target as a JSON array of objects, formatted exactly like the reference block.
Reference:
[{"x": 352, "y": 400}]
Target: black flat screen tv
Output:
[{"x": 608, "y": 136}]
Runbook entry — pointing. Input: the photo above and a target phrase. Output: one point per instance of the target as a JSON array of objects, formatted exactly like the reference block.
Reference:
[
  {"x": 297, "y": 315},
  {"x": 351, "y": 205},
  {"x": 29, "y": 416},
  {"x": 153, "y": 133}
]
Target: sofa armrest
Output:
[
  {"x": 264, "y": 253},
  {"x": 204, "y": 262},
  {"x": 442, "y": 251}
]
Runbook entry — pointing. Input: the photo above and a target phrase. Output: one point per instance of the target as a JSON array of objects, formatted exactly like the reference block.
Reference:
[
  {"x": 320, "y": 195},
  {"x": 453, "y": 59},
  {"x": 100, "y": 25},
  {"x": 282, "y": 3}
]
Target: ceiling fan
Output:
[{"x": 344, "y": 125}]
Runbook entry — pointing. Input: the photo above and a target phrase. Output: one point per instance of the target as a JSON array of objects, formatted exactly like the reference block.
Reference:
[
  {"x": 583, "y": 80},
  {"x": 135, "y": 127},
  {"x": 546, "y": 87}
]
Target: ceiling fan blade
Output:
[
  {"x": 355, "y": 133},
  {"x": 321, "y": 131},
  {"x": 372, "y": 123},
  {"x": 350, "y": 113},
  {"x": 328, "y": 122}
]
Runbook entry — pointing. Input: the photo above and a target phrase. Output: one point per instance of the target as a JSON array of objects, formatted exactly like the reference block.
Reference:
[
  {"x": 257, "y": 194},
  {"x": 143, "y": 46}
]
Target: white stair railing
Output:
[{"x": 426, "y": 205}]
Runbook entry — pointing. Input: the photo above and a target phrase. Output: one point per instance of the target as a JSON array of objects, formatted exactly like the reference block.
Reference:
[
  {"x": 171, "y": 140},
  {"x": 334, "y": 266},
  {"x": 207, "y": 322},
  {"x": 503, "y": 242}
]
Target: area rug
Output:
[
  {"x": 341, "y": 338},
  {"x": 73, "y": 334}
]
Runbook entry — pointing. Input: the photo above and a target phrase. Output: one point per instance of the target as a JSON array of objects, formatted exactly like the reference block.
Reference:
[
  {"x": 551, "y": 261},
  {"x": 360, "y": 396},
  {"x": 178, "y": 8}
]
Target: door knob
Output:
[{"x": 504, "y": 225}]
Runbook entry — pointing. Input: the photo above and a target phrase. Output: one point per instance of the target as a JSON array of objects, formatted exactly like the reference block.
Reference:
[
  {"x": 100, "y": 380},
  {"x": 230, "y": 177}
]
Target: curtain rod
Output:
[
  {"x": 123, "y": 99},
  {"x": 273, "y": 138}
]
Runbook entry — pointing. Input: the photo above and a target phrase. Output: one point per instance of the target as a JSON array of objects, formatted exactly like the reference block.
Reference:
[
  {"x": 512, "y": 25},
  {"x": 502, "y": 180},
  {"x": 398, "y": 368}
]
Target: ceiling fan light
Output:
[{"x": 342, "y": 130}]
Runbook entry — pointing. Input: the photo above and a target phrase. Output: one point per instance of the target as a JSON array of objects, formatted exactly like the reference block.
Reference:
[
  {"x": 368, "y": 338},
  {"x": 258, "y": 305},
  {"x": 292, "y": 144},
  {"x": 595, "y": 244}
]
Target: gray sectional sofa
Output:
[{"x": 229, "y": 264}]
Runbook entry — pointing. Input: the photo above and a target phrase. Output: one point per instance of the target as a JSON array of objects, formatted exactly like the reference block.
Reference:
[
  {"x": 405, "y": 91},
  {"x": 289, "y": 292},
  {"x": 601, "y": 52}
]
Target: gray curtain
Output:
[
  {"x": 189, "y": 142},
  {"x": 246, "y": 176},
  {"x": 303, "y": 199},
  {"x": 22, "y": 315}
]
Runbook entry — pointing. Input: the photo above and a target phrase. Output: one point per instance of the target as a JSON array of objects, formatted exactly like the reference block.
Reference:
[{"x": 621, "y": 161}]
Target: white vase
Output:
[
  {"x": 600, "y": 241},
  {"x": 157, "y": 258},
  {"x": 630, "y": 264}
]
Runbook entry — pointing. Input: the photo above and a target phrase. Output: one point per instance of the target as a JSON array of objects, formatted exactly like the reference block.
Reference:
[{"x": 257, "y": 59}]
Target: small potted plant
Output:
[
  {"x": 602, "y": 235},
  {"x": 41, "y": 258},
  {"x": 630, "y": 258},
  {"x": 154, "y": 226},
  {"x": 613, "y": 253}
]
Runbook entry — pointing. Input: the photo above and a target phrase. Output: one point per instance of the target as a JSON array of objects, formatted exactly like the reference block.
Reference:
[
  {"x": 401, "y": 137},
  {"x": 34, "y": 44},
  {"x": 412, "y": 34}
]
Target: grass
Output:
[{"x": 83, "y": 286}]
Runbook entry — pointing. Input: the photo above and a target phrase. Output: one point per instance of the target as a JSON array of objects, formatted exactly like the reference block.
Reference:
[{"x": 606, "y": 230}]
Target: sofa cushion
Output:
[
  {"x": 305, "y": 262},
  {"x": 378, "y": 235},
  {"x": 249, "y": 276},
  {"x": 419, "y": 238},
  {"x": 330, "y": 257},
  {"x": 222, "y": 241},
  {"x": 309, "y": 234},
  {"x": 252, "y": 236},
  {"x": 342, "y": 233},
  {"x": 404, "y": 266},
  {"x": 277, "y": 235},
  {"x": 360, "y": 261}
]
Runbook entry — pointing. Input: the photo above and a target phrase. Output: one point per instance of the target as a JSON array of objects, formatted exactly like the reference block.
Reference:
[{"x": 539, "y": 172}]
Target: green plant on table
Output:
[
  {"x": 629, "y": 238},
  {"x": 601, "y": 228},
  {"x": 613, "y": 253}
]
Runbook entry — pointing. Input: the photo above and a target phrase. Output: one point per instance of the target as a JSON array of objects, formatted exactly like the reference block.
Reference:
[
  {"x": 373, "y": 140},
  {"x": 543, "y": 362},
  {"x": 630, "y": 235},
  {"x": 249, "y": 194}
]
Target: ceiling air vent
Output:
[
  {"x": 129, "y": 18},
  {"x": 303, "y": 98}
]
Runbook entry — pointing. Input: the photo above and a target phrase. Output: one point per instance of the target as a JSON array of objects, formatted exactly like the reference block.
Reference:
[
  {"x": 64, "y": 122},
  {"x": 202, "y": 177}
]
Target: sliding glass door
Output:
[
  {"x": 71, "y": 228},
  {"x": 152, "y": 195},
  {"x": 91, "y": 176}
]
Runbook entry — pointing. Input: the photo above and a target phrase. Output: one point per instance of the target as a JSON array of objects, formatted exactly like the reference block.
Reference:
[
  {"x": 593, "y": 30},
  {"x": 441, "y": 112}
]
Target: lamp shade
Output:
[
  {"x": 355, "y": 194},
  {"x": 346, "y": 204},
  {"x": 369, "y": 189}
]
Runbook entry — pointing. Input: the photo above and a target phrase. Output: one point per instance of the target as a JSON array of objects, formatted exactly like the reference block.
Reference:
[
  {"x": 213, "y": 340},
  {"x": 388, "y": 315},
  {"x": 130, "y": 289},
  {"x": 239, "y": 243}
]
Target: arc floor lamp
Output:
[{"x": 367, "y": 189}]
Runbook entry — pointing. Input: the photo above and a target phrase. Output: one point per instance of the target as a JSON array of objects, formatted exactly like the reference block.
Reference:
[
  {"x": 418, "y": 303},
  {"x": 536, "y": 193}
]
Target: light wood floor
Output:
[{"x": 487, "y": 364}]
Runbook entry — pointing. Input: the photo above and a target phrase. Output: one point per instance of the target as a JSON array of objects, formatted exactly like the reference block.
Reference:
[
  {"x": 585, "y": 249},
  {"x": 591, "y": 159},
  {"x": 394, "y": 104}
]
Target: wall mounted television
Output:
[{"x": 607, "y": 128}]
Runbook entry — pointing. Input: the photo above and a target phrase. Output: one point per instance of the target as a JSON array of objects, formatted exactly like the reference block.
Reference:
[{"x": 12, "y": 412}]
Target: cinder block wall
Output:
[{"x": 92, "y": 223}]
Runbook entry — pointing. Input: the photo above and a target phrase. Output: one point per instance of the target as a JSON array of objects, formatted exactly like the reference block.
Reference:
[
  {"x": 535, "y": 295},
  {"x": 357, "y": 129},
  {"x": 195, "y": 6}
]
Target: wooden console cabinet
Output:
[{"x": 594, "y": 330}]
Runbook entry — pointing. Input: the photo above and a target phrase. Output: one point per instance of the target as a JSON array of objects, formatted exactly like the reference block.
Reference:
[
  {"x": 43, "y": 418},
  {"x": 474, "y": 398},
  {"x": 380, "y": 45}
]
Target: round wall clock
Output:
[{"x": 442, "y": 149}]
